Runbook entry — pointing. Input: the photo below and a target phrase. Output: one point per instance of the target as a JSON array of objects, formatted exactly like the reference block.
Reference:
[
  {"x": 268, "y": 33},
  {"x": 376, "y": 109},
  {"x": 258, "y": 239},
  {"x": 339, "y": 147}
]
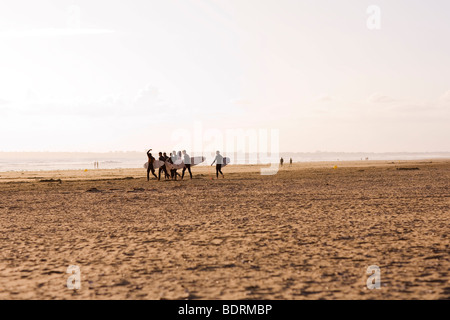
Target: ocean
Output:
[{"x": 46, "y": 161}]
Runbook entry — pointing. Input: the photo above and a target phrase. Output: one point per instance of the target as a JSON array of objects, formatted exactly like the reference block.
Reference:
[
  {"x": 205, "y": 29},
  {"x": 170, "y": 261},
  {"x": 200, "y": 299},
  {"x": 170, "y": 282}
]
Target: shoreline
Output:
[{"x": 136, "y": 173}]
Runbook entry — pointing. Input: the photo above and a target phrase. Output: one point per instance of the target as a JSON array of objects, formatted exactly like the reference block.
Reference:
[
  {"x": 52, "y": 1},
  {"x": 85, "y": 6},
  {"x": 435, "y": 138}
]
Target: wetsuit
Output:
[
  {"x": 166, "y": 173},
  {"x": 151, "y": 160},
  {"x": 162, "y": 168}
]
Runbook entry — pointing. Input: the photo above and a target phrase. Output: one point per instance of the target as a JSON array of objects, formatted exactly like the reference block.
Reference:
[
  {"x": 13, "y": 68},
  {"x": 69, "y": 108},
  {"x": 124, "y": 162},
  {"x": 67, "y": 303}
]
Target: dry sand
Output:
[{"x": 309, "y": 232}]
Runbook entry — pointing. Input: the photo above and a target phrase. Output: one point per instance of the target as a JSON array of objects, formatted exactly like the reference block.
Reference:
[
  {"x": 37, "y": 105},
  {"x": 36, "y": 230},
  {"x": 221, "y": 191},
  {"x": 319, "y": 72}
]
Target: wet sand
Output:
[{"x": 309, "y": 232}]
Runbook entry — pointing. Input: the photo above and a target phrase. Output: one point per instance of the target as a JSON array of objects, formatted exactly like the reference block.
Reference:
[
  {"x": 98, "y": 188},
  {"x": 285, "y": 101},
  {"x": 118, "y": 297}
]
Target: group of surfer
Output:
[
  {"x": 171, "y": 162},
  {"x": 172, "y": 159}
]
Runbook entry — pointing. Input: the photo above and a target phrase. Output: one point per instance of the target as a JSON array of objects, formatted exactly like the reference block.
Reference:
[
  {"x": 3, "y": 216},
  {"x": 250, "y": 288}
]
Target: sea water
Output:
[{"x": 75, "y": 161}]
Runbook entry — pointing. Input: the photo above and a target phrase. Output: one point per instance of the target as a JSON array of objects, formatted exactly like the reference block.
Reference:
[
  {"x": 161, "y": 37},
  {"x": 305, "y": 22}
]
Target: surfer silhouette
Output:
[
  {"x": 151, "y": 160},
  {"x": 167, "y": 175},
  {"x": 187, "y": 164},
  {"x": 169, "y": 160},
  {"x": 175, "y": 160},
  {"x": 163, "y": 167},
  {"x": 219, "y": 162}
]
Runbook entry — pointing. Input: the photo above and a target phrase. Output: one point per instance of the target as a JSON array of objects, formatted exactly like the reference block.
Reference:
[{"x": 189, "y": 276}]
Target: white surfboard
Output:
[
  {"x": 226, "y": 161},
  {"x": 175, "y": 166},
  {"x": 179, "y": 164},
  {"x": 156, "y": 165},
  {"x": 197, "y": 160}
]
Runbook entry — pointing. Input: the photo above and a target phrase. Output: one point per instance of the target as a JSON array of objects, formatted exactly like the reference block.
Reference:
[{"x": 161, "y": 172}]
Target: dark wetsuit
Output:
[
  {"x": 167, "y": 174},
  {"x": 151, "y": 160},
  {"x": 173, "y": 172},
  {"x": 218, "y": 169},
  {"x": 162, "y": 169}
]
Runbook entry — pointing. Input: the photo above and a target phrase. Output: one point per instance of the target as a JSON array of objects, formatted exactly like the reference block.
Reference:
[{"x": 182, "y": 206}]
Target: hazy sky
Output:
[{"x": 103, "y": 75}]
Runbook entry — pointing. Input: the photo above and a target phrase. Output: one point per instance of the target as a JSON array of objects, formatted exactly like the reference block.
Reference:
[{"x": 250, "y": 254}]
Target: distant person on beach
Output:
[
  {"x": 219, "y": 162},
  {"x": 151, "y": 160},
  {"x": 290, "y": 162},
  {"x": 187, "y": 164},
  {"x": 281, "y": 162},
  {"x": 162, "y": 168}
]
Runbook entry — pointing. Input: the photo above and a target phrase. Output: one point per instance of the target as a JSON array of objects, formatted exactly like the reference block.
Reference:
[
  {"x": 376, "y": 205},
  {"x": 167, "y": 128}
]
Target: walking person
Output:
[
  {"x": 151, "y": 160},
  {"x": 163, "y": 167},
  {"x": 175, "y": 160},
  {"x": 219, "y": 162},
  {"x": 281, "y": 162},
  {"x": 166, "y": 173},
  {"x": 170, "y": 161},
  {"x": 187, "y": 164}
]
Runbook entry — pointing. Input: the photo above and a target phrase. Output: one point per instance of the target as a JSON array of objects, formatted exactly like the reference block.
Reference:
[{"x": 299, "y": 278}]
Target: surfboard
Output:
[
  {"x": 175, "y": 166},
  {"x": 179, "y": 164},
  {"x": 197, "y": 160},
  {"x": 156, "y": 165},
  {"x": 226, "y": 161}
]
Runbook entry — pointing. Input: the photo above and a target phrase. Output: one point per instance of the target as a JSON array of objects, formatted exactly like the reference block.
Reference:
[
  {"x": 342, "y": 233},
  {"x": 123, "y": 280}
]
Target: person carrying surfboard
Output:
[
  {"x": 174, "y": 158},
  {"x": 151, "y": 160},
  {"x": 167, "y": 175},
  {"x": 219, "y": 162},
  {"x": 162, "y": 168},
  {"x": 187, "y": 164},
  {"x": 169, "y": 165}
]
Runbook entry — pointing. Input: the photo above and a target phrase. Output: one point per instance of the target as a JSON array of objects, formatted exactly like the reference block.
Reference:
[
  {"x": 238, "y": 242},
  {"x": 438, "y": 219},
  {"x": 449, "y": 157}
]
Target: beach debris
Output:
[
  {"x": 335, "y": 167},
  {"x": 122, "y": 282},
  {"x": 137, "y": 190},
  {"x": 408, "y": 169},
  {"x": 94, "y": 190},
  {"x": 85, "y": 170},
  {"x": 51, "y": 180}
]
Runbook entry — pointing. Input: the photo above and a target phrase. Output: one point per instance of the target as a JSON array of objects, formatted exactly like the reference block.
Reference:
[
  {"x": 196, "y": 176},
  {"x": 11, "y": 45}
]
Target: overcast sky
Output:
[{"x": 102, "y": 75}]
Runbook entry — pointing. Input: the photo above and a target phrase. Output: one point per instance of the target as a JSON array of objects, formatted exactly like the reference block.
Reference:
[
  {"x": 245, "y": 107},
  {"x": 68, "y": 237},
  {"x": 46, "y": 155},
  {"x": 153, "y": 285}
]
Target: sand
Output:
[{"x": 309, "y": 232}]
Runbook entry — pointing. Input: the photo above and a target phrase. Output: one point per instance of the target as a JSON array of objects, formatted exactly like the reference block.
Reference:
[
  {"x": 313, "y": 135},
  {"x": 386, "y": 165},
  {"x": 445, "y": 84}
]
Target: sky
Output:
[{"x": 114, "y": 75}]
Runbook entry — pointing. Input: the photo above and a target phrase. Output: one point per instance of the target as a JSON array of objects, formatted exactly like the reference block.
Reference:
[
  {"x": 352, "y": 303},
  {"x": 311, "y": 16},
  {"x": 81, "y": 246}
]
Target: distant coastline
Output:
[{"x": 48, "y": 161}]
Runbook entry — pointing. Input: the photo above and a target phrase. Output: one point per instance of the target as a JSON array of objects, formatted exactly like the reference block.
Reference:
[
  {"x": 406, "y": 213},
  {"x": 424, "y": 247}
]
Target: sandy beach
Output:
[{"x": 308, "y": 232}]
